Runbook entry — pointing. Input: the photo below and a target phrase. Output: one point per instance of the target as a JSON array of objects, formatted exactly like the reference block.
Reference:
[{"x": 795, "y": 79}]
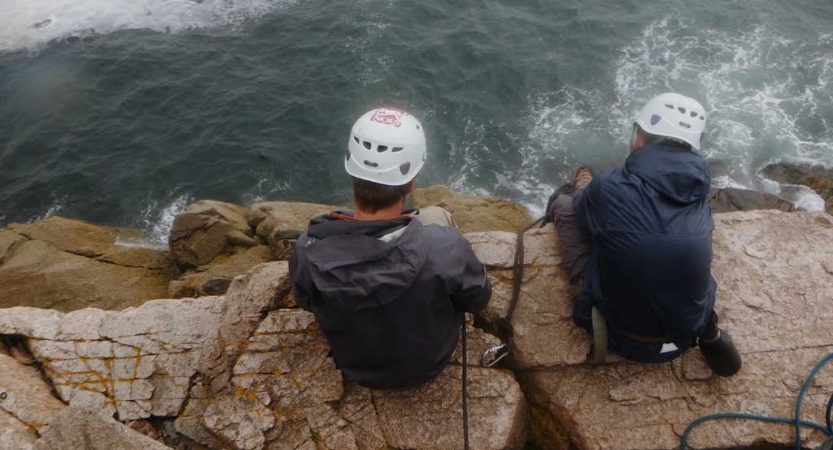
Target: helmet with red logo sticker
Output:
[{"x": 386, "y": 146}]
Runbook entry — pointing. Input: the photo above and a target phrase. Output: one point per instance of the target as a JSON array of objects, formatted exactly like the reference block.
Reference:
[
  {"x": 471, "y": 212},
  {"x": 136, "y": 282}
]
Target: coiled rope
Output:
[{"x": 796, "y": 421}]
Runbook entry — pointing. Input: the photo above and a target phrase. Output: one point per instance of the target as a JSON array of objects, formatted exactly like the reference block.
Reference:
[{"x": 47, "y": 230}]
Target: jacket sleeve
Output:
[
  {"x": 301, "y": 297},
  {"x": 472, "y": 289}
]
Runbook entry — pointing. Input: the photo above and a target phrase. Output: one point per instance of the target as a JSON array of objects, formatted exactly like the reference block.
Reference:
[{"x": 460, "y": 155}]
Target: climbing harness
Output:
[
  {"x": 796, "y": 420},
  {"x": 495, "y": 354}
]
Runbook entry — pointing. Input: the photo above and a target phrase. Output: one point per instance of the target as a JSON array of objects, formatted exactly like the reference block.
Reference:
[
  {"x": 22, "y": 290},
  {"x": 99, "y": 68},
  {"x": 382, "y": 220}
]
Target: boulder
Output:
[
  {"x": 245, "y": 372},
  {"x": 215, "y": 278},
  {"x": 280, "y": 223},
  {"x": 817, "y": 178},
  {"x": 731, "y": 200},
  {"x": 136, "y": 363},
  {"x": 78, "y": 428},
  {"x": 76, "y": 265},
  {"x": 775, "y": 297},
  {"x": 206, "y": 229},
  {"x": 473, "y": 213}
]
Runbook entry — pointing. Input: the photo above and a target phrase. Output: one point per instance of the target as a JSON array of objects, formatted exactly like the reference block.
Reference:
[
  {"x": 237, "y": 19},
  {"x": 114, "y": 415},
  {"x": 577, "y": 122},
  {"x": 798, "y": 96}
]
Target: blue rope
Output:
[{"x": 795, "y": 421}]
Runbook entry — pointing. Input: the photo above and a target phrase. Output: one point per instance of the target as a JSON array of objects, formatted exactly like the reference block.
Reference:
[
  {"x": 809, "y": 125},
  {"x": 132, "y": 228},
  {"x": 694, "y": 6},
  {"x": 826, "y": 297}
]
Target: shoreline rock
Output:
[
  {"x": 245, "y": 369},
  {"x": 74, "y": 265},
  {"x": 817, "y": 178}
]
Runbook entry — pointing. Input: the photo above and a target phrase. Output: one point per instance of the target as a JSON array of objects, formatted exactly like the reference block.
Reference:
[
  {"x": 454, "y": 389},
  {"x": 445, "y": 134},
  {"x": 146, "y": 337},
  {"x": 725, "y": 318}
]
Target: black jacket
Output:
[
  {"x": 650, "y": 267},
  {"x": 391, "y": 311}
]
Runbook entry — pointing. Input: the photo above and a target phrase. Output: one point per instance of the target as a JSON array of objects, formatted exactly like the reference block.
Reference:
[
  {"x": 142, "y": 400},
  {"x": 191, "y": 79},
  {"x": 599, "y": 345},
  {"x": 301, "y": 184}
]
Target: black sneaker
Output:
[{"x": 721, "y": 354}]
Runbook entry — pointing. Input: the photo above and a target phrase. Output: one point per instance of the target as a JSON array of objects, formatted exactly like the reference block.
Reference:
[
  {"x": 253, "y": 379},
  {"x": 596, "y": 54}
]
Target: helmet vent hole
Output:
[
  {"x": 348, "y": 155},
  {"x": 655, "y": 119},
  {"x": 382, "y": 148},
  {"x": 355, "y": 138},
  {"x": 685, "y": 125},
  {"x": 702, "y": 118},
  {"x": 367, "y": 145},
  {"x": 404, "y": 168},
  {"x": 370, "y": 164},
  {"x": 694, "y": 114},
  {"x": 669, "y": 106},
  {"x": 397, "y": 149},
  {"x": 681, "y": 109}
]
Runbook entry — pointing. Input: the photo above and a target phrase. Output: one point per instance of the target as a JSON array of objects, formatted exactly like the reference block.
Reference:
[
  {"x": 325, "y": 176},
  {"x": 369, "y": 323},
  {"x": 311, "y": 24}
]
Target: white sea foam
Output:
[
  {"x": 27, "y": 24},
  {"x": 725, "y": 181},
  {"x": 760, "y": 88},
  {"x": 769, "y": 98},
  {"x": 267, "y": 189},
  {"x": 155, "y": 224},
  {"x": 51, "y": 211}
]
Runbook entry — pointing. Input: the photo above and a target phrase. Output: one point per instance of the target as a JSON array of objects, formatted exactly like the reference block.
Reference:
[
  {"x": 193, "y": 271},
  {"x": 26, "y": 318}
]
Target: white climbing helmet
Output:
[
  {"x": 387, "y": 146},
  {"x": 674, "y": 116}
]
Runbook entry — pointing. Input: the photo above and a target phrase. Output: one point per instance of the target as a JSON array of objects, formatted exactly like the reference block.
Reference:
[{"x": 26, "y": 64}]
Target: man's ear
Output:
[{"x": 638, "y": 139}]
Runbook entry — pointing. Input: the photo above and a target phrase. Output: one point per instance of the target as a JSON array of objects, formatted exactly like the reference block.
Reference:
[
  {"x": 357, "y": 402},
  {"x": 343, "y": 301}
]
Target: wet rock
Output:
[
  {"x": 731, "y": 200},
  {"x": 774, "y": 298},
  {"x": 78, "y": 428},
  {"x": 817, "y": 178},
  {"x": 205, "y": 230},
  {"x": 474, "y": 213}
]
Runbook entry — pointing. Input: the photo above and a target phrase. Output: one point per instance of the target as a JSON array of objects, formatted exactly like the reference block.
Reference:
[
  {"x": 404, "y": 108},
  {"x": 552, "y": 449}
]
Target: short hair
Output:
[
  {"x": 372, "y": 197},
  {"x": 653, "y": 139}
]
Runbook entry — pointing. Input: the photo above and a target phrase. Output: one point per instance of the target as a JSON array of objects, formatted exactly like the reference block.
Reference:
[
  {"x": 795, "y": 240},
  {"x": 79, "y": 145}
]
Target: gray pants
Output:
[
  {"x": 572, "y": 240},
  {"x": 434, "y": 215}
]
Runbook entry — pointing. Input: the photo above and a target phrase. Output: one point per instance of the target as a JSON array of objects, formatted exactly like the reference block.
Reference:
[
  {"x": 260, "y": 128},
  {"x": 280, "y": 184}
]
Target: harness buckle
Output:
[{"x": 494, "y": 355}]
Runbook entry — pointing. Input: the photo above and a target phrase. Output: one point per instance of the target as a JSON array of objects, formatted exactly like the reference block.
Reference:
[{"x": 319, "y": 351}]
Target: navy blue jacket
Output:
[{"x": 650, "y": 265}]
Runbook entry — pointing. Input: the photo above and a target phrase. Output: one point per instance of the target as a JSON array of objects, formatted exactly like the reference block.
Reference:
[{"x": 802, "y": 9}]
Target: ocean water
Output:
[{"x": 123, "y": 111}]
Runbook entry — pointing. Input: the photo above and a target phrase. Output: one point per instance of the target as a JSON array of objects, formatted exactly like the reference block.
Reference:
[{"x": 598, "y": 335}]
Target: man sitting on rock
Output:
[
  {"x": 388, "y": 287},
  {"x": 641, "y": 239}
]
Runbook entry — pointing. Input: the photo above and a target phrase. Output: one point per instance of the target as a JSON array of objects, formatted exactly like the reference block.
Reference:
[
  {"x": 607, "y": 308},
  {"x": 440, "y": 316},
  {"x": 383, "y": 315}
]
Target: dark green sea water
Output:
[{"x": 121, "y": 112}]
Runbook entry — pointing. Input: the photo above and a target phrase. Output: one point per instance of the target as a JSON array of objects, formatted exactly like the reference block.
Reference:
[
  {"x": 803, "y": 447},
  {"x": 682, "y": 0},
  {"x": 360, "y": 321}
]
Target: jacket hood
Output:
[
  {"x": 352, "y": 269},
  {"x": 677, "y": 174}
]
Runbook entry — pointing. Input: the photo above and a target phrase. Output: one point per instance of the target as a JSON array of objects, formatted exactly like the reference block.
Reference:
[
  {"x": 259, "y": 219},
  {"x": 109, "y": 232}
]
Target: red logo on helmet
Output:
[{"x": 388, "y": 117}]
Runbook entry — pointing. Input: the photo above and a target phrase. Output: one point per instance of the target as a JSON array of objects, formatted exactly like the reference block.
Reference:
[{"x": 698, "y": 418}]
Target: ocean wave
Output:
[
  {"x": 29, "y": 24},
  {"x": 769, "y": 99},
  {"x": 155, "y": 223},
  {"x": 53, "y": 209},
  {"x": 761, "y": 89}
]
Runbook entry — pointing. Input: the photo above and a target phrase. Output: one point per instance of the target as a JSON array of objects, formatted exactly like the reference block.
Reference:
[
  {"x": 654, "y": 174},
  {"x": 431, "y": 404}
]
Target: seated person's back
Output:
[
  {"x": 652, "y": 234},
  {"x": 388, "y": 288}
]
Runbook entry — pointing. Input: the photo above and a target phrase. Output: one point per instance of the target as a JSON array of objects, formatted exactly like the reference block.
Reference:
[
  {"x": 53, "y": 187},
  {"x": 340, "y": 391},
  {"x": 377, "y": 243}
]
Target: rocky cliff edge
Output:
[{"x": 247, "y": 370}]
